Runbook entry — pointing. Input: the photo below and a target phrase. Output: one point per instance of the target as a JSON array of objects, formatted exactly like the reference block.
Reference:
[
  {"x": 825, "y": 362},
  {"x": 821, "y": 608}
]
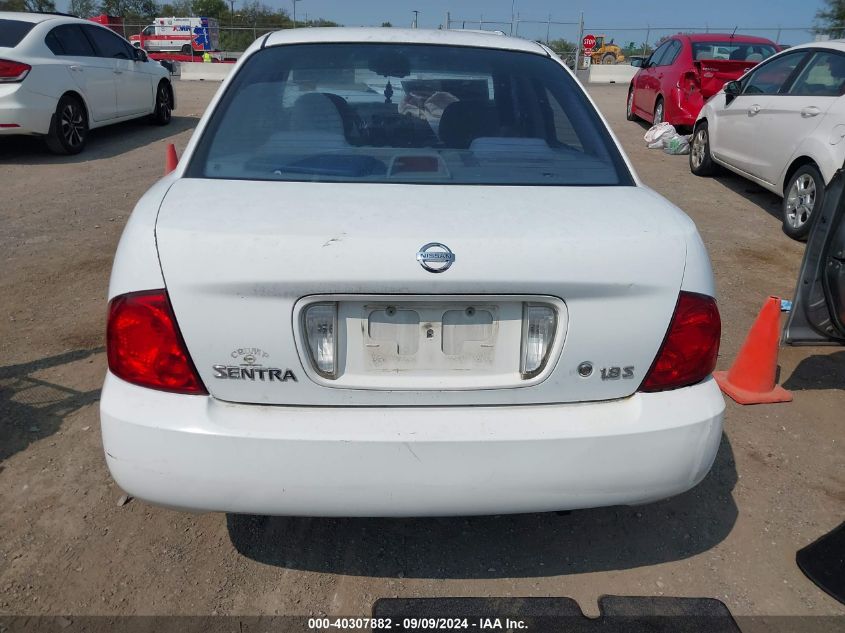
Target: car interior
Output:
[{"x": 399, "y": 122}]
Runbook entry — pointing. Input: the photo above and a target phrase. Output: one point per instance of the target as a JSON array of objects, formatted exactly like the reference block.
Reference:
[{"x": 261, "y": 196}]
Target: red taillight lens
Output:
[
  {"x": 689, "y": 351},
  {"x": 144, "y": 345},
  {"x": 11, "y": 72}
]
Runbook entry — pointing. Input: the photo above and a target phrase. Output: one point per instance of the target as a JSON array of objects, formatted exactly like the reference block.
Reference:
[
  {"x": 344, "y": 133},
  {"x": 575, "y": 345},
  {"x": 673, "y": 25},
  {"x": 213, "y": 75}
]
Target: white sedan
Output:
[
  {"x": 781, "y": 126},
  {"x": 407, "y": 272},
  {"x": 61, "y": 77}
]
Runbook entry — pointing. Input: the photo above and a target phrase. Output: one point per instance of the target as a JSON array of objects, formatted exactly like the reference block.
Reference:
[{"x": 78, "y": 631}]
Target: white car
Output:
[
  {"x": 61, "y": 77},
  {"x": 446, "y": 293},
  {"x": 781, "y": 126}
]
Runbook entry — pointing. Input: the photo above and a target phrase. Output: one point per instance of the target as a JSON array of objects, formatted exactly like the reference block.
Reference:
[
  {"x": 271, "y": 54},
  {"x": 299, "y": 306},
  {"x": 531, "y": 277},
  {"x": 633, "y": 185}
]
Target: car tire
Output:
[
  {"x": 68, "y": 132},
  {"x": 803, "y": 196},
  {"x": 629, "y": 106},
  {"x": 700, "y": 160},
  {"x": 659, "y": 111},
  {"x": 609, "y": 58},
  {"x": 187, "y": 49},
  {"x": 163, "y": 112}
]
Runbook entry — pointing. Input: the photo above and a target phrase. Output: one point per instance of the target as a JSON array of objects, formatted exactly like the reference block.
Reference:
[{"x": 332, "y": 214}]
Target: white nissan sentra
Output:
[{"x": 405, "y": 273}]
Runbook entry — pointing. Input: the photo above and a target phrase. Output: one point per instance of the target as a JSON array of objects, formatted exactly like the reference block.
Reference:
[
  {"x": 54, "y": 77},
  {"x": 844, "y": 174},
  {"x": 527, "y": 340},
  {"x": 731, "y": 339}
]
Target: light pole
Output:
[
  {"x": 513, "y": 15},
  {"x": 416, "y": 19},
  {"x": 232, "y": 20},
  {"x": 293, "y": 2}
]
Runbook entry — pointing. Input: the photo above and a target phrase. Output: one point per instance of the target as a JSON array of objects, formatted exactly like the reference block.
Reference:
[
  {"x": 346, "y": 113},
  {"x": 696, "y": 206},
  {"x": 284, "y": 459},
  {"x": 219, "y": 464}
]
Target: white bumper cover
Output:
[
  {"x": 198, "y": 453},
  {"x": 31, "y": 112}
]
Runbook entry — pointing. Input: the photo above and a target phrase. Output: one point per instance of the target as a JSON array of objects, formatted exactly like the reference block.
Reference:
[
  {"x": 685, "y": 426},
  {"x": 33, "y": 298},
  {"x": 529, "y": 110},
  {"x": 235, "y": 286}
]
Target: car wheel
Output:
[
  {"x": 187, "y": 49},
  {"x": 164, "y": 104},
  {"x": 803, "y": 196},
  {"x": 700, "y": 161},
  {"x": 609, "y": 58},
  {"x": 69, "y": 127},
  {"x": 658, "y": 111},
  {"x": 629, "y": 107}
]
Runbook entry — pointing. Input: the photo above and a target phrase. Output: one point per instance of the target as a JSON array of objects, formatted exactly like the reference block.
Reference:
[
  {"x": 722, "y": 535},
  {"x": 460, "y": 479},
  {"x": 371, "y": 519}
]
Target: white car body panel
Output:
[
  {"x": 113, "y": 90},
  {"x": 240, "y": 257},
  {"x": 761, "y": 136},
  {"x": 618, "y": 271},
  {"x": 409, "y": 461}
]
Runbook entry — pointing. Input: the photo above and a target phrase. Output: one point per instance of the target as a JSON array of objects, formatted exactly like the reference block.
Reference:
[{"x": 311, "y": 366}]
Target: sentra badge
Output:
[{"x": 251, "y": 368}]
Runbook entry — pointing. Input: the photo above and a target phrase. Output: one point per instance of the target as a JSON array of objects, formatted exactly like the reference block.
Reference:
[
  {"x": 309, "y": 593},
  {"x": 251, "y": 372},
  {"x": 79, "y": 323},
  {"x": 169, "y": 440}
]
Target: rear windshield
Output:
[
  {"x": 733, "y": 51},
  {"x": 13, "y": 31},
  {"x": 406, "y": 113}
]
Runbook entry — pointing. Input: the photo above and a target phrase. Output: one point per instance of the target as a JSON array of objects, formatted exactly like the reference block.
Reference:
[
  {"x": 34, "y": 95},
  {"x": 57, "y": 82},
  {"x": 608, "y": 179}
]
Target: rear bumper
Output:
[
  {"x": 198, "y": 453},
  {"x": 30, "y": 112}
]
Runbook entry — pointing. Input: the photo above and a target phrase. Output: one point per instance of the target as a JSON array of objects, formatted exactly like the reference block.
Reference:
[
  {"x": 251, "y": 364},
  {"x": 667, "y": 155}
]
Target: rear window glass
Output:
[
  {"x": 406, "y": 113},
  {"x": 68, "y": 39},
  {"x": 13, "y": 31},
  {"x": 733, "y": 51}
]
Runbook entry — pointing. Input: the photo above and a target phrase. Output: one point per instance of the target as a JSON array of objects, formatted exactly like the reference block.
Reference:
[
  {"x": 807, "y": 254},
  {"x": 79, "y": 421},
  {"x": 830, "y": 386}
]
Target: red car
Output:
[{"x": 686, "y": 70}]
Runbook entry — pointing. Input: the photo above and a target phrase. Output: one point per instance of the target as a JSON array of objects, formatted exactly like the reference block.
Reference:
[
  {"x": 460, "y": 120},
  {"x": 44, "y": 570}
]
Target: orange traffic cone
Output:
[
  {"x": 751, "y": 379},
  {"x": 170, "y": 159}
]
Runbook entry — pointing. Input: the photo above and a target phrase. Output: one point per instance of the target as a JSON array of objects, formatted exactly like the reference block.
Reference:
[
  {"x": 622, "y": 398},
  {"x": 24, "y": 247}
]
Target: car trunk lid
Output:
[
  {"x": 240, "y": 260},
  {"x": 713, "y": 74}
]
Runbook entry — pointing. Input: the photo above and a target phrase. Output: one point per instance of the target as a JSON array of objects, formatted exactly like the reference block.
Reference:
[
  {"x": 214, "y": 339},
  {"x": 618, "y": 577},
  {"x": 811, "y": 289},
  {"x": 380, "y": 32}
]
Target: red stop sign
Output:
[{"x": 589, "y": 41}]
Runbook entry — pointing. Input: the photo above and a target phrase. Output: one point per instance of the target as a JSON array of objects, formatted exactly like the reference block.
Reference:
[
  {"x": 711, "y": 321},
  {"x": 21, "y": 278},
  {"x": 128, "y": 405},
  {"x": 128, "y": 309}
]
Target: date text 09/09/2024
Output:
[{"x": 418, "y": 623}]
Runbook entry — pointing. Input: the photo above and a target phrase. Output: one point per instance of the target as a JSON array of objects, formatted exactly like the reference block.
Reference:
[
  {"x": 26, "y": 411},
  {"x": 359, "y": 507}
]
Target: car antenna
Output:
[{"x": 734, "y": 32}]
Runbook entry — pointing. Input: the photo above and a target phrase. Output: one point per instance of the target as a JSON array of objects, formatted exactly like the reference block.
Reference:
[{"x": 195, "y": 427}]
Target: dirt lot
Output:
[{"x": 67, "y": 548}]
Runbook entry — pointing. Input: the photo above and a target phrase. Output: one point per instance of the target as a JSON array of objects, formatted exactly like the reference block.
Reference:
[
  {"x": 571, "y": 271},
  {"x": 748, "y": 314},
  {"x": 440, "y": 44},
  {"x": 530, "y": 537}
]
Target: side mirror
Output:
[
  {"x": 732, "y": 90},
  {"x": 140, "y": 55},
  {"x": 637, "y": 62}
]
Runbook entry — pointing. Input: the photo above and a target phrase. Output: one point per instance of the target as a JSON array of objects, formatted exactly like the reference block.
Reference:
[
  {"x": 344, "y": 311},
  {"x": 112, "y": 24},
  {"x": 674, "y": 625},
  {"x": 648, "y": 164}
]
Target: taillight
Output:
[
  {"x": 11, "y": 72},
  {"x": 689, "y": 351},
  {"x": 144, "y": 345}
]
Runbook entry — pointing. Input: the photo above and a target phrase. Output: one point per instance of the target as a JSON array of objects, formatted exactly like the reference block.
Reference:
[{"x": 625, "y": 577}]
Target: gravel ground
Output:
[{"x": 69, "y": 548}]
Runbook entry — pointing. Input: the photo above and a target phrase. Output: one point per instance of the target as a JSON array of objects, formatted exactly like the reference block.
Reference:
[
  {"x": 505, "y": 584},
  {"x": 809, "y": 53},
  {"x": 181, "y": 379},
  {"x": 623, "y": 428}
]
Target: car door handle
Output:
[
  {"x": 76, "y": 68},
  {"x": 810, "y": 111},
  {"x": 118, "y": 72},
  {"x": 753, "y": 109}
]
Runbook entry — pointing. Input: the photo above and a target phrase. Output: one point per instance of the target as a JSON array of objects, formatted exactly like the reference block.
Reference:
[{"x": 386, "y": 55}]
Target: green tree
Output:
[
  {"x": 831, "y": 19},
  {"x": 562, "y": 47},
  {"x": 83, "y": 8},
  {"x": 386, "y": 24},
  {"x": 177, "y": 8},
  {"x": 210, "y": 8},
  {"x": 27, "y": 5}
]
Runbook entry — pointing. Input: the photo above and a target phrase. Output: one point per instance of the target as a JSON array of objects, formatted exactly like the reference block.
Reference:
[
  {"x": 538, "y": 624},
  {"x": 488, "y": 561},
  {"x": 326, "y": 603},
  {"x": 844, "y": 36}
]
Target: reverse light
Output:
[
  {"x": 538, "y": 332},
  {"x": 144, "y": 346},
  {"x": 12, "y": 72},
  {"x": 689, "y": 351},
  {"x": 320, "y": 324}
]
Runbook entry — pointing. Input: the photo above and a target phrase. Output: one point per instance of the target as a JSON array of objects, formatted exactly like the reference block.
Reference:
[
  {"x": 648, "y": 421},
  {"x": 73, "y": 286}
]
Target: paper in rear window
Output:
[{"x": 13, "y": 31}]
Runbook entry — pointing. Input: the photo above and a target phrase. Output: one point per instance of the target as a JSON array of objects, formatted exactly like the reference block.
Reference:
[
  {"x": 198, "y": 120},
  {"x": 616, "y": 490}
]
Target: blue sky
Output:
[
  {"x": 599, "y": 15},
  {"x": 624, "y": 20}
]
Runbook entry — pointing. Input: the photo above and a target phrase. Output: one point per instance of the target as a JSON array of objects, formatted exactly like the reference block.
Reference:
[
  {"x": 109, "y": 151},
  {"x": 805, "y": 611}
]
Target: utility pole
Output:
[
  {"x": 416, "y": 19},
  {"x": 513, "y": 15},
  {"x": 293, "y": 2},
  {"x": 578, "y": 43}
]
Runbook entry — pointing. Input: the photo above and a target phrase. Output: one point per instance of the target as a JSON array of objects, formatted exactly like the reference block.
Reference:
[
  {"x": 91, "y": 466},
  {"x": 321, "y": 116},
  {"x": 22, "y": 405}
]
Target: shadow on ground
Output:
[
  {"x": 32, "y": 409},
  {"x": 820, "y": 371},
  {"x": 106, "y": 142},
  {"x": 763, "y": 198},
  {"x": 528, "y": 545}
]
